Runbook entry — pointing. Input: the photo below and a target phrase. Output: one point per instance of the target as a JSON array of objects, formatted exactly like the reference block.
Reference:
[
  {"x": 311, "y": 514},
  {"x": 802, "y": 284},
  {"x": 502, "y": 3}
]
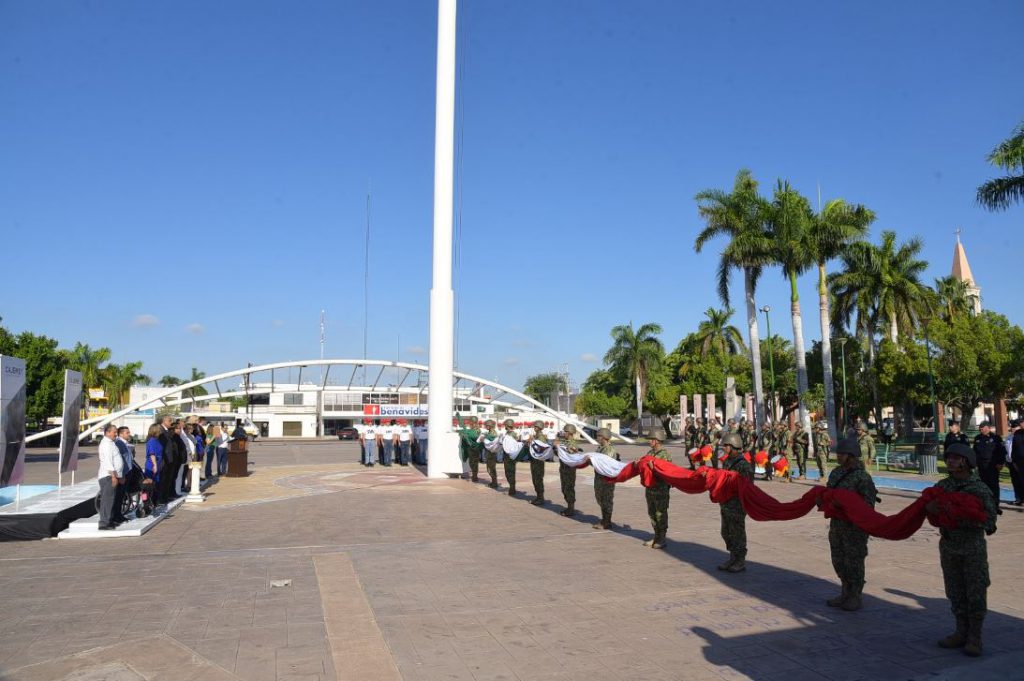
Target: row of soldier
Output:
[{"x": 962, "y": 551}]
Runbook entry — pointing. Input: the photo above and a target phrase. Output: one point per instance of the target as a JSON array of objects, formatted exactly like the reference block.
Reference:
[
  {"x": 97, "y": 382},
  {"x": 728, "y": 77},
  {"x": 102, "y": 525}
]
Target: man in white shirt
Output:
[
  {"x": 387, "y": 434},
  {"x": 111, "y": 472},
  {"x": 404, "y": 442},
  {"x": 369, "y": 441}
]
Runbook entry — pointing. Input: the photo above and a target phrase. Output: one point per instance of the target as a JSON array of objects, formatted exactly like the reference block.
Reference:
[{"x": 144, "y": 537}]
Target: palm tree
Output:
[
  {"x": 739, "y": 215},
  {"x": 118, "y": 379},
  {"x": 790, "y": 224},
  {"x": 169, "y": 381},
  {"x": 716, "y": 334},
  {"x": 1000, "y": 193},
  {"x": 88, "y": 361},
  {"x": 636, "y": 354},
  {"x": 833, "y": 228},
  {"x": 953, "y": 297},
  {"x": 197, "y": 390}
]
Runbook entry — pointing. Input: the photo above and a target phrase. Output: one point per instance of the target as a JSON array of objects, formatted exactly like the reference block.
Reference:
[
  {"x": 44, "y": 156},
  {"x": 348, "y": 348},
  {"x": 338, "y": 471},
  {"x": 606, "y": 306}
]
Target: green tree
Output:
[
  {"x": 716, "y": 334},
  {"x": 953, "y": 297},
  {"x": 90, "y": 362},
  {"x": 782, "y": 358},
  {"x": 790, "y": 225},
  {"x": 169, "y": 381},
  {"x": 663, "y": 398},
  {"x": 603, "y": 394},
  {"x": 44, "y": 375},
  {"x": 833, "y": 229},
  {"x": 118, "y": 380},
  {"x": 1002, "y": 192},
  {"x": 197, "y": 390},
  {"x": 740, "y": 215},
  {"x": 635, "y": 354},
  {"x": 544, "y": 387}
]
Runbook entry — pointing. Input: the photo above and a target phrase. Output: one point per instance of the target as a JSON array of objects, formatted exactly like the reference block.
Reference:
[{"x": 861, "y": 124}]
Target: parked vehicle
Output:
[{"x": 348, "y": 434}]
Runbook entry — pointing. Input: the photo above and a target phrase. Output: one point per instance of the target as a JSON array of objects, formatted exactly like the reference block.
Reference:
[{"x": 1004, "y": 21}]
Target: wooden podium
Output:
[{"x": 238, "y": 459}]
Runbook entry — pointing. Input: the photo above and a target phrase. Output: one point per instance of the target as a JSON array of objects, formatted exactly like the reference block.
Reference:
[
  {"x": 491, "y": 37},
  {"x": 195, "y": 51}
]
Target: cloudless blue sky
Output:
[{"x": 185, "y": 182}]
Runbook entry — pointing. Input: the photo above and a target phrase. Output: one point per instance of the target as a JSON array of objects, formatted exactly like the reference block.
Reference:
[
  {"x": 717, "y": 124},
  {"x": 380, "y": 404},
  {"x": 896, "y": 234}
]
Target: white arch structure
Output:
[{"x": 515, "y": 398}]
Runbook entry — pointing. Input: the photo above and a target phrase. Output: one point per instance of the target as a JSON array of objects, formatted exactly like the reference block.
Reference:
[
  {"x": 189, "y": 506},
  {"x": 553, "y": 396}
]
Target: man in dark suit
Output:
[
  {"x": 954, "y": 435},
  {"x": 1017, "y": 463},
  {"x": 991, "y": 453}
]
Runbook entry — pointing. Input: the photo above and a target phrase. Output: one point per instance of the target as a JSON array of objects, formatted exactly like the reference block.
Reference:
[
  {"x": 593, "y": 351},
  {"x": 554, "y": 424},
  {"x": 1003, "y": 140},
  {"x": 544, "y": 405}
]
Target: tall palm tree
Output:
[
  {"x": 833, "y": 228},
  {"x": 790, "y": 224},
  {"x": 197, "y": 390},
  {"x": 169, "y": 381},
  {"x": 739, "y": 215},
  {"x": 1000, "y": 193},
  {"x": 636, "y": 354},
  {"x": 716, "y": 334},
  {"x": 953, "y": 297},
  {"x": 90, "y": 362},
  {"x": 118, "y": 380}
]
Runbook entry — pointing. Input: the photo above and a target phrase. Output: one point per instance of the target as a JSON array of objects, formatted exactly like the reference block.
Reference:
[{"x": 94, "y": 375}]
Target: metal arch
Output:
[{"x": 100, "y": 421}]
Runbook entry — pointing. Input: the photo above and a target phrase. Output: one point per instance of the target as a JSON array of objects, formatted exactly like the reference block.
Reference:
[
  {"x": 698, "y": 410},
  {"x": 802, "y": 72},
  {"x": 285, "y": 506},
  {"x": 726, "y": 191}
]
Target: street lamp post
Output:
[
  {"x": 931, "y": 382},
  {"x": 771, "y": 360}
]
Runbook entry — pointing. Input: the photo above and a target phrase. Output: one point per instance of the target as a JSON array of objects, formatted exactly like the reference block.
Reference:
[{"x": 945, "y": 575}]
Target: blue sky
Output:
[{"x": 185, "y": 182}]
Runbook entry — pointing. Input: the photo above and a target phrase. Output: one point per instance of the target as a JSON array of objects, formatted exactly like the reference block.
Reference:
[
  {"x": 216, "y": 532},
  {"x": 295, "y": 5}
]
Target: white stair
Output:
[{"x": 88, "y": 528}]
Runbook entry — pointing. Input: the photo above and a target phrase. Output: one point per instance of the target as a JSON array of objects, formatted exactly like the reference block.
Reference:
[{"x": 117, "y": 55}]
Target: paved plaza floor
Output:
[{"x": 317, "y": 568}]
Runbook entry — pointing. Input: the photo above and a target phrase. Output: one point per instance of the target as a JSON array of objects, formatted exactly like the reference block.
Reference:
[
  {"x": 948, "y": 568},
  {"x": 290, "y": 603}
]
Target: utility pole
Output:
[{"x": 771, "y": 360}]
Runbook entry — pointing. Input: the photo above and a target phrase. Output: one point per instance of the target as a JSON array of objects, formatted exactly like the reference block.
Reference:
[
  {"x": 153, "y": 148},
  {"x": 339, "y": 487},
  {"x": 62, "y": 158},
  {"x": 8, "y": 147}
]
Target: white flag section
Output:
[
  {"x": 70, "y": 423},
  {"x": 602, "y": 463},
  {"x": 12, "y": 420},
  {"x": 511, "y": 445}
]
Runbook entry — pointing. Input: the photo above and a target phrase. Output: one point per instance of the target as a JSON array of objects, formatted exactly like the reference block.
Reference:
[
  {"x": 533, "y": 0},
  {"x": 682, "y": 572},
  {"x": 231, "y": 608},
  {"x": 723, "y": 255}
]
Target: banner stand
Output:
[{"x": 67, "y": 455}]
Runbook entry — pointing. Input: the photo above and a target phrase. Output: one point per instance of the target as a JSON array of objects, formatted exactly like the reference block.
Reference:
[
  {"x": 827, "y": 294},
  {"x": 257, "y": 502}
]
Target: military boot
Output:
[
  {"x": 738, "y": 565},
  {"x": 973, "y": 646},
  {"x": 539, "y": 501},
  {"x": 604, "y": 524},
  {"x": 650, "y": 542},
  {"x": 569, "y": 510},
  {"x": 724, "y": 567},
  {"x": 853, "y": 603},
  {"x": 474, "y": 477},
  {"x": 658, "y": 542},
  {"x": 494, "y": 484},
  {"x": 512, "y": 491},
  {"x": 840, "y": 599},
  {"x": 958, "y": 638}
]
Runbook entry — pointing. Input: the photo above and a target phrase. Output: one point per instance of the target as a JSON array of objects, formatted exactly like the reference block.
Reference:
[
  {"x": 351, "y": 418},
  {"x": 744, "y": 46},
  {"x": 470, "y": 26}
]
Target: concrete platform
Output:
[{"x": 88, "y": 528}]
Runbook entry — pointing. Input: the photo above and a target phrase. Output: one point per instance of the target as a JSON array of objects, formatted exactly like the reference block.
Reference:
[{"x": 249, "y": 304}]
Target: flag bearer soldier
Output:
[
  {"x": 822, "y": 443},
  {"x": 469, "y": 437},
  {"x": 604, "y": 490},
  {"x": 510, "y": 459},
  {"x": 799, "y": 443},
  {"x": 963, "y": 553},
  {"x": 657, "y": 497},
  {"x": 734, "y": 530},
  {"x": 567, "y": 474},
  {"x": 690, "y": 440},
  {"x": 491, "y": 458},
  {"x": 537, "y": 465},
  {"x": 847, "y": 542}
]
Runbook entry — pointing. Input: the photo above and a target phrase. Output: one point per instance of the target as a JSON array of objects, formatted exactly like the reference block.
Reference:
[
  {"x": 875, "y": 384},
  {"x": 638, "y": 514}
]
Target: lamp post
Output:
[
  {"x": 931, "y": 381},
  {"x": 842, "y": 352},
  {"x": 771, "y": 359}
]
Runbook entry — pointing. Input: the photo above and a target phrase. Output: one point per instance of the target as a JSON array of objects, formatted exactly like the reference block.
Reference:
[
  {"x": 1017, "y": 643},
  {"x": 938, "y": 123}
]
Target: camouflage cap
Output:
[
  {"x": 509, "y": 423},
  {"x": 538, "y": 424},
  {"x": 733, "y": 440},
  {"x": 960, "y": 449},
  {"x": 605, "y": 433},
  {"x": 860, "y": 426},
  {"x": 489, "y": 423},
  {"x": 569, "y": 428},
  {"x": 472, "y": 419},
  {"x": 848, "y": 445}
]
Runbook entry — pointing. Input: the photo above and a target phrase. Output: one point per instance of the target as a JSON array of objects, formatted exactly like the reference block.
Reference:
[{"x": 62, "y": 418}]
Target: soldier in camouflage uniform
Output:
[
  {"x": 491, "y": 458},
  {"x": 657, "y": 498},
  {"x": 849, "y": 543},
  {"x": 866, "y": 443},
  {"x": 690, "y": 440},
  {"x": 537, "y": 466},
  {"x": 822, "y": 443},
  {"x": 567, "y": 474},
  {"x": 604, "y": 491},
  {"x": 714, "y": 439},
  {"x": 468, "y": 442},
  {"x": 509, "y": 462},
  {"x": 734, "y": 530},
  {"x": 799, "y": 443},
  {"x": 963, "y": 553},
  {"x": 747, "y": 435}
]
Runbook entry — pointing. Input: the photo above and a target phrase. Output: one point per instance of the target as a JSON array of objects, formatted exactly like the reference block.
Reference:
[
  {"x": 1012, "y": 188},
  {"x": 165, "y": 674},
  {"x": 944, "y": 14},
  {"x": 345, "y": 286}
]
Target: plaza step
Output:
[{"x": 88, "y": 528}]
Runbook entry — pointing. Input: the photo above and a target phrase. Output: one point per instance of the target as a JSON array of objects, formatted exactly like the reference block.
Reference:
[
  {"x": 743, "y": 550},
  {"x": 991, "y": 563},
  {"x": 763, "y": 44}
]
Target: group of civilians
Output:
[
  {"x": 393, "y": 439},
  {"x": 170, "y": 445}
]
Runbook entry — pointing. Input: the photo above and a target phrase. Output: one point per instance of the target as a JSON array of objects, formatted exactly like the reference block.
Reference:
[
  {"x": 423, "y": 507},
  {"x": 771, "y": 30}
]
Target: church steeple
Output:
[{"x": 962, "y": 272}]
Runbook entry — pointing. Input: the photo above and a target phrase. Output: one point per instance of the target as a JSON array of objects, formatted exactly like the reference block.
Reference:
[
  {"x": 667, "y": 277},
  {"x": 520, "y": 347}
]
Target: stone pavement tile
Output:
[
  {"x": 486, "y": 669},
  {"x": 306, "y": 659},
  {"x": 221, "y": 651}
]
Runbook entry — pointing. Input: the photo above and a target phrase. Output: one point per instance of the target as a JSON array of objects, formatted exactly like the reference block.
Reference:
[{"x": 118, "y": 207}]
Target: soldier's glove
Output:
[{"x": 989, "y": 533}]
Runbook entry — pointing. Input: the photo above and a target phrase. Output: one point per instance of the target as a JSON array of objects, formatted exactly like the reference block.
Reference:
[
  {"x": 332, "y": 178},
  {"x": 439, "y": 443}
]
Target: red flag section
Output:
[{"x": 950, "y": 509}]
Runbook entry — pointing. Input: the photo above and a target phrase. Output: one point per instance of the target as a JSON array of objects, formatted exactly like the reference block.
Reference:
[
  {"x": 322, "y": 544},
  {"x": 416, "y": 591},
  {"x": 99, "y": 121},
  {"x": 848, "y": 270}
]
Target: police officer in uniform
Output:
[
  {"x": 657, "y": 497},
  {"x": 847, "y": 542},
  {"x": 567, "y": 474},
  {"x": 604, "y": 491},
  {"x": 963, "y": 553},
  {"x": 991, "y": 456},
  {"x": 955, "y": 435},
  {"x": 734, "y": 531},
  {"x": 537, "y": 465}
]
